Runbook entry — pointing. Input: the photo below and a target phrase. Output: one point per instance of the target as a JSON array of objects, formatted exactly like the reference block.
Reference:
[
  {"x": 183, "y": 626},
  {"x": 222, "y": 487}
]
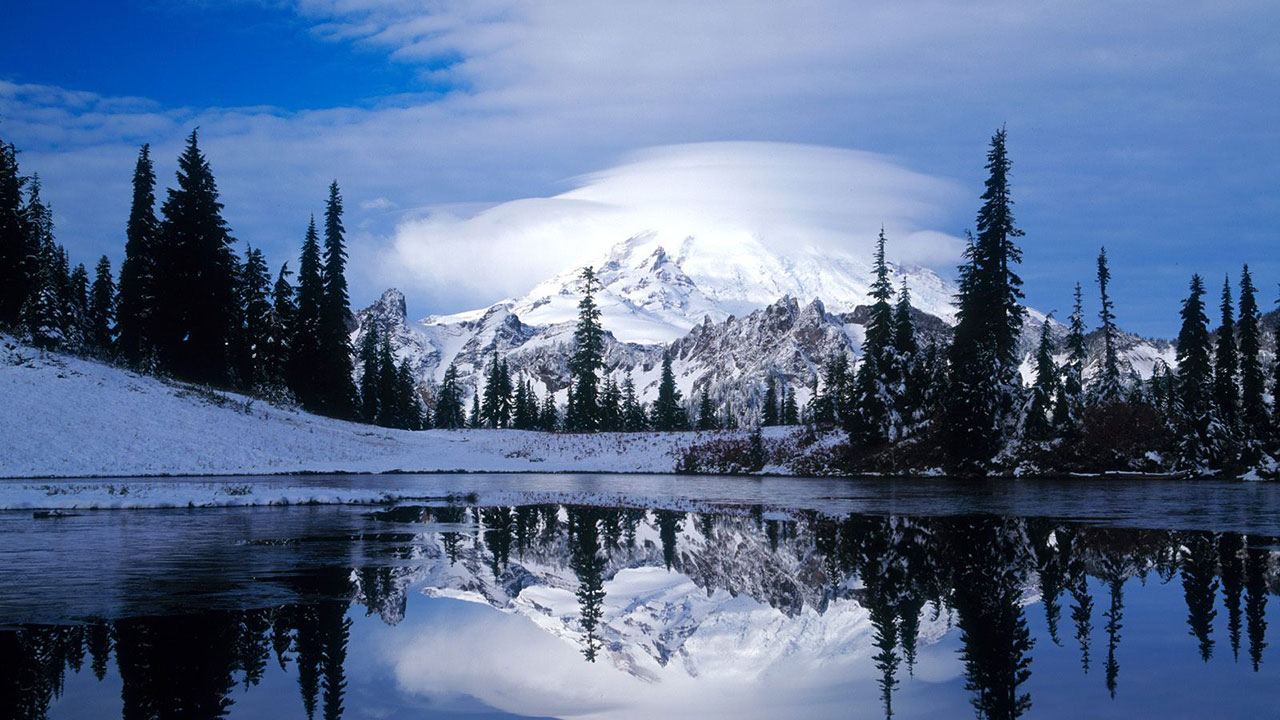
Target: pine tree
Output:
[
  {"x": 195, "y": 275},
  {"x": 1253, "y": 409},
  {"x": 1196, "y": 412},
  {"x": 17, "y": 253},
  {"x": 1226, "y": 366},
  {"x": 336, "y": 393},
  {"x": 259, "y": 321},
  {"x": 1070, "y": 399},
  {"x": 44, "y": 315},
  {"x": 284, "y": 314},
  {"x": 102, "y": 309},
  {"x": 984, "y": 385},
  {"x": 668, "y": 413},
  {"x": 77, "y": 299},
  {"x": 769, "y": 412},
  {"x": 136, "y": 314},
  {"x": 633, "y": 415},
  {"x": 829, "y": 407},
  {"x": 475, "y": 420},
  {"x": 304, "y": 348},
  {"x": 495, "y": 411},
  {"x": 1037, "y": 425},
  {"x": 872, "y": 422},
  {"x": 1109, "y": 388},
  {"x": 449, "y": 409},
  {"x": 370, "y": 373},
  {"x": 707, "y": 412},
  {"x": 610, "y": 406},
  {"x": 906, "y": 350},
  {"x": 548, "y": 417},
  {"x": 790, "y": 410},
  {"x": 388, "y": 390},
  {"x": 410, "y": 415},
  {"x": 583, "y": 413}
]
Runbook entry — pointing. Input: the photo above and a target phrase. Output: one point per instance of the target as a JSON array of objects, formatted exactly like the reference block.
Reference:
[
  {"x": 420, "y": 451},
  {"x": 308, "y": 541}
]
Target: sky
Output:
[{"x": 1148, "y": 127}]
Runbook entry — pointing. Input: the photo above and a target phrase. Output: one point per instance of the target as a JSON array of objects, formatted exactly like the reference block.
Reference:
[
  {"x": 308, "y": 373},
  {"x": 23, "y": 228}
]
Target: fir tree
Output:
[
  {"x": 790, "y": 411},
  {"x": 44, "y": 315},
  {"x": 984, "y": 383},
  {"x": 449, "y": 406},
  {"x": 1196, "y": 416},
  {"x": 668, "y": 413},
  {"x": 370, "y": 372},
  {"x": 409, "y": 402},
  {"x": 829, "y": 407},
  {"x": 707, "y": 412},
  {"x": 136, "y": 315},
  {"x": 475, "y": 420},
  {"x": 284, "y": 313},
  {"x": 1109, "y": 387},
  {"x": 769, "y": 412},
  {"x": 256, "y": 332},
  {"x": 906, "y": 350},
  {"x": 102, "y": 309},
  {"x": 633, "y": 415},
  {"x": 1037, "y": 425},
  {"x": 17, "y": 252},
  {"x": 304, "y": 348},
  {"x": 1226, "y": 390},
  {"x": 610, "y": 406},
  {"x": 336, "y": 393},
  {"x": 495, "y": 411},
  {"x": 548, "y": 417},
  {"x": 77, "y": 299},
  {"x": 583, "y": 413},
  {"x": 1253, "y": 410},
  {"x": 388, "y": 390},
  {"x": 195, "y": 275},
  {"x": 872, "y": 421},
  {"x": 1067, "y": 407}
]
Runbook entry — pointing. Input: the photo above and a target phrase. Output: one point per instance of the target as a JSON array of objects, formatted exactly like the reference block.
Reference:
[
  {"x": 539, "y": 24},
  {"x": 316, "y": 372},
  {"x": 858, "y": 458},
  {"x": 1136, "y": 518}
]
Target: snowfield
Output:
[{"x": 67, "y": 417}]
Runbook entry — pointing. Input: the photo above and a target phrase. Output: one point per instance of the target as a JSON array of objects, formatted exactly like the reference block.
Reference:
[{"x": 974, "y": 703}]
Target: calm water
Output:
[{"x": 633, "y": 596}]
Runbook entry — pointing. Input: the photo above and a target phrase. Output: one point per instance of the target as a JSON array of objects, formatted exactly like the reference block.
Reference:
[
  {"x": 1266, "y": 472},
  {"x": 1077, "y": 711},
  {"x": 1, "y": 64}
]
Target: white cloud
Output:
[{"x": 788, "y": 197}]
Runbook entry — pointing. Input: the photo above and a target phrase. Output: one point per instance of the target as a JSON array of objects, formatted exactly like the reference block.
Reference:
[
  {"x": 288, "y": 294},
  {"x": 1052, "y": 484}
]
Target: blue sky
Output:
[{"x": 1147, "y": 127}]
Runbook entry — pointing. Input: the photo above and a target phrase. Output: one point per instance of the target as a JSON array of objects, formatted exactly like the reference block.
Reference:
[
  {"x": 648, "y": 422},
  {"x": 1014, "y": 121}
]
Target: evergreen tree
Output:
[
  {"x": 195, "y": 275},
  {"x": 668, "y": 413},
  {"x": 388, "y": 389},
  {"x": 409, "y": 415},
  {"x": 449, "y": 406},
  {"x": 370, "y": 373},
  {"x": 1037, "y": 425},
  {"x": 984, "y": 383},
  {"x": 475, "y": 420},
  {"x": 17, "y": 253},
  {"x": 284, "y": 313},
  {"x": 304, "y": 349},
  {"x": 495, "y": 412},
  {"x": 872, "y": 421},
  {"x": 790, "y": 411},
  {"x": 610, "y": 406},
  {"x": 136, "y": 315},
  {"x": 633, "y": 415},
  {"x": 102, "y": 309},
  {"x": 707, "y": 412},
  {"x": 44, "y": 315},
  {"x": 1253, "y": 409},
  {"x": 548, "y": 418},
  {"x": 254, "y": 351},
  {"x": 77, "y": 299},
  {"x": 1196, "y": 416},
  {"x": 583, "y": 413},
  {"x": 1067, "y": 406},
  {"x": 1109, "y": 387},
  {"x": 336, "y": 392},
  {"x": 829, "y": 407},
  {"x": 769, "y": 412},
  {"x": 1226, "y": 366},
  {"x": 906, "y": 351}
]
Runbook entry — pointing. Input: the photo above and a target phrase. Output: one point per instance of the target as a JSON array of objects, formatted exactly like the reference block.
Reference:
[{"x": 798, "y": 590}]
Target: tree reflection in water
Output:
[{"x": 978, "y": 570}]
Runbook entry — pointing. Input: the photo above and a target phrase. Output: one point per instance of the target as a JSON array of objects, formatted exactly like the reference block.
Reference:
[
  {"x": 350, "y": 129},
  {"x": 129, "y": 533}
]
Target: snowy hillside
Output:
[
  {"x": 68, "y": 417},
  {"x": 733, "y": 313}
]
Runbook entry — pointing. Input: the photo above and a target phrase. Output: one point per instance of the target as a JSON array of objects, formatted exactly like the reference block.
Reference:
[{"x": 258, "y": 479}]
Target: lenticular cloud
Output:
[{"x": 787, "y": 197}]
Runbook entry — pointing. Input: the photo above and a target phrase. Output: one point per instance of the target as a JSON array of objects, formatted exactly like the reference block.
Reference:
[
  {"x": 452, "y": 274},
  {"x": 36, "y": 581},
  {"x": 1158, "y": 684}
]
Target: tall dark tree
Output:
[
  {"x": 1067, "y": 407},
  {"x": 1226, "y": 366},
  {"x": 17, "y": 253},
  {"x": 450, "y": 413},
  {"x": 583, "y": 413},
  {"x": 1109, "y": 385},
  {"x": 102, "y": 310},
  {"x": 370, "y": 373},
  {"x": 284, "y": 314},
  {"x": 336, "y": 392},
  {"x": 906, "y": 350},
  {"x": 633, "y": 415},
  {"x": 136, "y": 314},
  {"x": 195, "y": 275},
  {"x": 304, "y": 349},
  {"x": 45, "y": 316},
  {"x": 1038, "y": 424},
  {"x": 707, "y": 419},
  {"x": 1197, "y": 417},
  {"x": 668, "y": 413},
  {"x": 871, "y": 421},
  {"x": 984, "y": 383},
  {"x": 548, "y": 416},
  {"x": 495, "y": 411},
  {"x": 254, "y": 353},
  {"x": 1253, "y": 409},
  {"x": 790, "y": 410},
  {"x": 769, "y": 411}
]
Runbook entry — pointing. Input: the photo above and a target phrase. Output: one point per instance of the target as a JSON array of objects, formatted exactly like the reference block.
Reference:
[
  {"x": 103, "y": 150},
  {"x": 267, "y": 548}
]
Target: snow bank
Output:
[{"x": 67, "y": 417}]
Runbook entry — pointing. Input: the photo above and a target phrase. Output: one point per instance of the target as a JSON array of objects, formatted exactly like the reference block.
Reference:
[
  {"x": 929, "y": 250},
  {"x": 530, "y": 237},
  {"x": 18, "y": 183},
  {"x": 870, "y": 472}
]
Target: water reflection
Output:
[{"x": 978, "y": 576}]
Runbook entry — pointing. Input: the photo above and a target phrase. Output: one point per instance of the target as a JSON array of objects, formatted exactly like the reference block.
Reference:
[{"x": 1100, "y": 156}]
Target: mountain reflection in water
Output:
[{"x": 866, "y": 589}]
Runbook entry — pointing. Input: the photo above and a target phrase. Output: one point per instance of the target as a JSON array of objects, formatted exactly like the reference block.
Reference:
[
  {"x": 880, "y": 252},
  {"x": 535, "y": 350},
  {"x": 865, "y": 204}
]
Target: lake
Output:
[{"x": 488, "y": 596}]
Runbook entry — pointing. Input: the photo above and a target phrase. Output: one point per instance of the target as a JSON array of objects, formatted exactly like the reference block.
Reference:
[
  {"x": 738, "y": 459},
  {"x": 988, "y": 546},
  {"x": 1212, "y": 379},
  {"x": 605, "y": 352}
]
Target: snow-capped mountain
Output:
[{"x": 732, "y": 312}]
